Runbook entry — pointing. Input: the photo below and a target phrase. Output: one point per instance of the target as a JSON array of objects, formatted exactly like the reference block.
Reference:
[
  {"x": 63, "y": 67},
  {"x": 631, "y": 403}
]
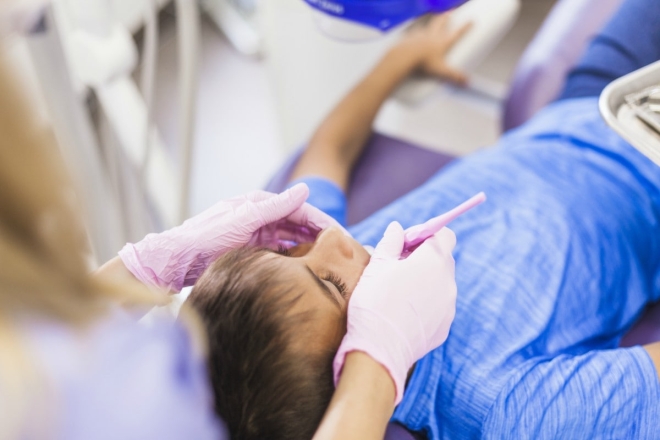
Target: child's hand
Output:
[{"x": 431, "y": 39}]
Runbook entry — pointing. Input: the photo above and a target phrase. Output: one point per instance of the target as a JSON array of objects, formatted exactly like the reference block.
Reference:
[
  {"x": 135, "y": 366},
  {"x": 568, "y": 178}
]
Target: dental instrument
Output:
[
  {"x": 417, "y": 235},
  {"x": 398, "y": 329},
  {"x": 629, "y": 105}
]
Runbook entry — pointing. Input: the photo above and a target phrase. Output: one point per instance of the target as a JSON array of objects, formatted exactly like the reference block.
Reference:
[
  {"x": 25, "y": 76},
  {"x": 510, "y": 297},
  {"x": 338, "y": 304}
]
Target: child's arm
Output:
[
  {"x": 338, "y": 142},
  {"x": 654, "y": 352}
]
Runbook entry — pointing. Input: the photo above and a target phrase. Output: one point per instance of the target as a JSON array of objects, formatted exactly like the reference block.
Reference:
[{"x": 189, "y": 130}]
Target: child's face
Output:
[{"x": 327, "y": 271}]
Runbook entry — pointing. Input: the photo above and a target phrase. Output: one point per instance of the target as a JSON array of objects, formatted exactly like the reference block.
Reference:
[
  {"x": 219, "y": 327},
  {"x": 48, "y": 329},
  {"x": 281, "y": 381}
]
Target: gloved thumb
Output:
[
  {"x": 282, "y": 205},
  {"x": 391, "y": 245}
]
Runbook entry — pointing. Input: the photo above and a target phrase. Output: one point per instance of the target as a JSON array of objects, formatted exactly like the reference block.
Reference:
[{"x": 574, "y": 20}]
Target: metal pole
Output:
[{"x": 188, "y": 30}]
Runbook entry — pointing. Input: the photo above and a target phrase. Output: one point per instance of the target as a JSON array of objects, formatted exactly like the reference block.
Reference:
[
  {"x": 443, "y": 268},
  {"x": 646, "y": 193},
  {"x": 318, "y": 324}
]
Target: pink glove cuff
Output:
[
  {"x": 340, "y": 358},
  {"x": 129, "y": 256},
  {"x": 397, "y": 364}
]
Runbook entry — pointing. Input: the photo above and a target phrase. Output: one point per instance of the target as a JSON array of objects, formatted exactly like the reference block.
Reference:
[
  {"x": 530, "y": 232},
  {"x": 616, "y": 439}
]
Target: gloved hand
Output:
[
  {"x": 402, "y": 309},
  {"x": 176, "y": 258}
]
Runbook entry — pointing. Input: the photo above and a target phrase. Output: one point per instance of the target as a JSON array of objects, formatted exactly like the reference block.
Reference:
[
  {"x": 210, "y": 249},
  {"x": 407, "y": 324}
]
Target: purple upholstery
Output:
[
  {"x": 556, "y": 48},
  {"x": 646, "y": 330},
  {"x": 398, "y": 432},
  {"x": 388, "y": 169}
]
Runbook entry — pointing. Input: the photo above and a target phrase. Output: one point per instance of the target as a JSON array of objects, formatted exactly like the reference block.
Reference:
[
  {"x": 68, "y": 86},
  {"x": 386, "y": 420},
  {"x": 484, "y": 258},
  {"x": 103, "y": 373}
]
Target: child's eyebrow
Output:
[{"x": 323, "y": 287}]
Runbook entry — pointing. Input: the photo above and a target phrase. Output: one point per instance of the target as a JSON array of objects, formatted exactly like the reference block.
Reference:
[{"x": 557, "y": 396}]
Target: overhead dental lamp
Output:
[{"x": 359, "y": 20}]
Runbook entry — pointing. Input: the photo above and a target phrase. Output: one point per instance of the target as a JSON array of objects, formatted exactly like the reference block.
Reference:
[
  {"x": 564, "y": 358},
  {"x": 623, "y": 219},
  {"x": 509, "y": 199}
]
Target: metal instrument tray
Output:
[{"x": 626, "y": 107}]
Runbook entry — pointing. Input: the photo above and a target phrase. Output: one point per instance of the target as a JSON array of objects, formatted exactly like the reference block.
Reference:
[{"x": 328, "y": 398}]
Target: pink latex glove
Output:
[
  {"x": 402, "y": 309},
  {"x": 176, "y": 258}
]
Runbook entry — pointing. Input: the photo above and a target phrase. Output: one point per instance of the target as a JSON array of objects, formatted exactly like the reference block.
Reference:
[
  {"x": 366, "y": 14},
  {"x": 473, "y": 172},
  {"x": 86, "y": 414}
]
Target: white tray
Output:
[{"x": 622, "y": 117}]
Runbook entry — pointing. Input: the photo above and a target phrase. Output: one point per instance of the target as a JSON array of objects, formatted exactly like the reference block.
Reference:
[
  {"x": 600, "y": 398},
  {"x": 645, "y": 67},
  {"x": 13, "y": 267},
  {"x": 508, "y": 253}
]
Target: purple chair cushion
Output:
[
  {"x": 646, "y": 330},
  {"x": 556, "y": 48},
  {"x": 398, "y": 432},
  {"x": 388, "y": 169}
]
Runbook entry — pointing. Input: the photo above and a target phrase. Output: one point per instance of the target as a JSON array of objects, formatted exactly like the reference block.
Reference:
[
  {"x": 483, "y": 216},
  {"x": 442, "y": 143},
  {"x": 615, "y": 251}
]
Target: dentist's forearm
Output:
[
  {"x": 116, "y": 269},
  {"x": 362, "y": 404},
  {"x": 340, "y": 137}
]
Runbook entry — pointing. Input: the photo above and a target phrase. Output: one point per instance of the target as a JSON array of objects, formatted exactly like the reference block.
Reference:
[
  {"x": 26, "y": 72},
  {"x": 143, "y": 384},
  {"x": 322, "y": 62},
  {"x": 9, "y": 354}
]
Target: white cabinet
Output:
[{"x": 130, "y": 12}]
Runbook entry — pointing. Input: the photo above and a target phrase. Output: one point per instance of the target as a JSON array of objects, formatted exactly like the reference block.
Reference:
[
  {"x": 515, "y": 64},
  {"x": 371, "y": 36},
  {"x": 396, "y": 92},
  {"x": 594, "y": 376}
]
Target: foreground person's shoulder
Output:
[{"x": 122, "y": 379}]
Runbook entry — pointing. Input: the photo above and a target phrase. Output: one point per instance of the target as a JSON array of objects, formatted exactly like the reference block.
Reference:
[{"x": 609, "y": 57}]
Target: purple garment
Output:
[{"x": 120, "y": 379}]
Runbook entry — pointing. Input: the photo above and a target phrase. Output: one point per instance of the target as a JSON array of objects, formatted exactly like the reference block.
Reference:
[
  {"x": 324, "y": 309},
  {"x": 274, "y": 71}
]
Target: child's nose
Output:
[{"x": 332, "y": 241}]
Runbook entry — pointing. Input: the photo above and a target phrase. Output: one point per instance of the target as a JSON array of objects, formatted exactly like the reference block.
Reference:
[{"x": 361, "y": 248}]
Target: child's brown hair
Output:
[{"x": 266, "y": 386}]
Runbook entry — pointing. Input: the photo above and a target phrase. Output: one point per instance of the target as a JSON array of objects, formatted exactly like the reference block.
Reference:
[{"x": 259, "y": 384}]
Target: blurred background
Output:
[{"x": 265, "y": 77}]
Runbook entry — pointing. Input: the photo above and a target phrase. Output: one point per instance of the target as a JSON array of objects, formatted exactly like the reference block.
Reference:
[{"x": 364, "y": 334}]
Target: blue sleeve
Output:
[
  {"x": 599, "y": 395},
  {"x": 326, "y": 196}
]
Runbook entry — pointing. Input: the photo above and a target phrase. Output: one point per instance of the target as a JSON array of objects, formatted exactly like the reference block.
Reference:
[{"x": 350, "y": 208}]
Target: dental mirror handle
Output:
[{"x": 416, "y": 235}]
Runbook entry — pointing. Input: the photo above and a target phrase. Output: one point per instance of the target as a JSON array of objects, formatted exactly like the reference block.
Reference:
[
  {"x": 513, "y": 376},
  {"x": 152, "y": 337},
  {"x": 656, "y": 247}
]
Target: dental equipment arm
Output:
[
  {"x": 175, "y": 259},
  {"x": 337, "y": 143},
  {"x": 362, "y": 403}
]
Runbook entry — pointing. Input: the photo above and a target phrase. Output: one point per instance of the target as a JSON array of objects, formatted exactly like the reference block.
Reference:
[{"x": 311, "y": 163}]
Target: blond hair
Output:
[{"x": 43, "y": 265}]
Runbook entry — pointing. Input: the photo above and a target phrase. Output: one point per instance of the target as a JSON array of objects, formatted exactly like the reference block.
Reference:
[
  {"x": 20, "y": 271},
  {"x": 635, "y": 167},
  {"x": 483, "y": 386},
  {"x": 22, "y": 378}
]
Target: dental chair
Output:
[{"x": 538, "y": 79}]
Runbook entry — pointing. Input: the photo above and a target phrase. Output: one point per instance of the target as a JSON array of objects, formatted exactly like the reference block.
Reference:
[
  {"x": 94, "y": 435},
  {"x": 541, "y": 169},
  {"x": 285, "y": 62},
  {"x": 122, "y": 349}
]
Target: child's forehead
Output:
[{"x": 324, "y": 318}]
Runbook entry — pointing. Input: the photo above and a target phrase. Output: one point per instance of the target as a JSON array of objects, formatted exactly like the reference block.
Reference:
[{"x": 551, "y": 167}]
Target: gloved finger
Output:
[
  {"x": 253, "y": 196},
  {"x": 311, "y": 217},
  {"x": 391, "y": 245},
  {"x": 447, "y": 238},
  {"x": 297, "y": 237},
  {"x": 258, "y": 196},
  {"x": 440, "y": 245},
  {"x": 282, "y": 205},
  {"x": 292, "y": 232}
]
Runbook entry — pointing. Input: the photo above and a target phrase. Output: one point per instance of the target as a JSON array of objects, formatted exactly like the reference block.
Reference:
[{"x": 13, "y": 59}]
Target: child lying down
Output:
[{"x": 551, "y": 272}]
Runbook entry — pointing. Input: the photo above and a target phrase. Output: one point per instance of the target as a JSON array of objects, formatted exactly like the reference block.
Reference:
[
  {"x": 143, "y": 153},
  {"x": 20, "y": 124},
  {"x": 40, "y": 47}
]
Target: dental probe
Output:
[{"x": 416, "y": 235}]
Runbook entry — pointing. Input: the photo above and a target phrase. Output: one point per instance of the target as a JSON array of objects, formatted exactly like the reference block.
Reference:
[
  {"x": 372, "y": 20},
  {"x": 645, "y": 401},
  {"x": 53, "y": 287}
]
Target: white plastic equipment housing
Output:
[
  {"x": 344, "y": 30},
  {"x": 491, "y": 21}
]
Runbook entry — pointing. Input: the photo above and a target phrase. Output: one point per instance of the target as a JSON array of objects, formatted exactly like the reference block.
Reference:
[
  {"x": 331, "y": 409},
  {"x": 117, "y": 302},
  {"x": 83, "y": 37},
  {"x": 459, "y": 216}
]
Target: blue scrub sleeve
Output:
[
  {"x": 326, "y": 196},
  {"x": 602, "y": 394}
]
